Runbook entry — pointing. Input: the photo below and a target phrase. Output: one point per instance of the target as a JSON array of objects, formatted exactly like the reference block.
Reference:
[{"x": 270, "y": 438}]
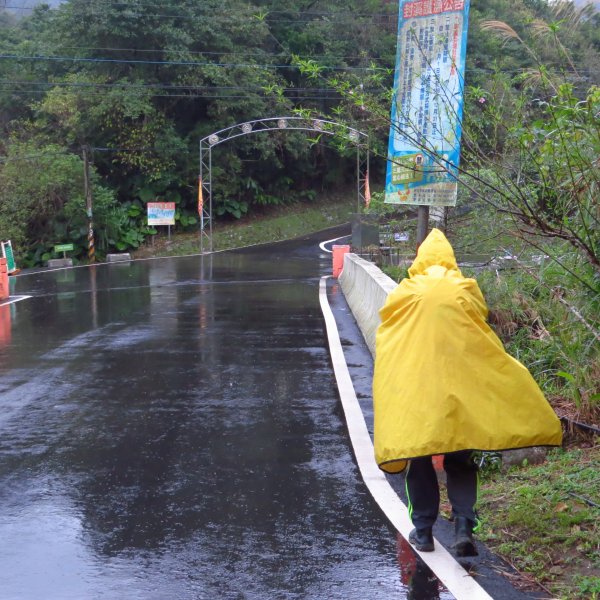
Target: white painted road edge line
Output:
[
  {"x": 441, "y": 562},
  {"x": 322, "y": 244},
  {"x": 13, "y": 300}
]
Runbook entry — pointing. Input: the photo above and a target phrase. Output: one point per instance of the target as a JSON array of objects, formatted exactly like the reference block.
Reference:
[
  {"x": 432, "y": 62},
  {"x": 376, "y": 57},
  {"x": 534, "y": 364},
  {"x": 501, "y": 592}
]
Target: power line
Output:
[
  {"x": 351, "y": 20},
  {"x": 189, "y": 96},
  {"x": 176, "y": 63},
  {"x": 156, "y": 85},
  {"x": 207, "y": 53},
  {"x": 204, "y": 87},
  {"x": 331, "y": 96},
  {"x": 132, "y": 11},
  {"x": 67, "y": 152},
  {"x": 393, "y": 11},
  {"x": 5, "y": 159}
]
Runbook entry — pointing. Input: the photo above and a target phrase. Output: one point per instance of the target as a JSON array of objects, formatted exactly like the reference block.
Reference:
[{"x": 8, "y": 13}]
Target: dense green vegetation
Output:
[
  {"x": 544, "y": 520},
  {"x": 140, "y": 83}
]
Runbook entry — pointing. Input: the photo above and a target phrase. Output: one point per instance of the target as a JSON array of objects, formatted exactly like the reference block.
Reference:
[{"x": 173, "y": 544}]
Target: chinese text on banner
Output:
[{"x": 424, "y": 143}]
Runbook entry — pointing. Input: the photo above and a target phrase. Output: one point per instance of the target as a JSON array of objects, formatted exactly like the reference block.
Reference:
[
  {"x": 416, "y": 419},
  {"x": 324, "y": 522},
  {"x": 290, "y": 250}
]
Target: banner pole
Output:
[{"x": 422, "y": 224}]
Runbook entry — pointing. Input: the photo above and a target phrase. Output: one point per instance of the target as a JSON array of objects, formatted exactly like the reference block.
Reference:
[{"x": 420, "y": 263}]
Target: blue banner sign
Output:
[{"x": 427, "y": 105}]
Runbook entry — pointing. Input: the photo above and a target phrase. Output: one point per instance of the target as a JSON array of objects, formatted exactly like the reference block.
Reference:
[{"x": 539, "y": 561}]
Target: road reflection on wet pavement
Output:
[{"x": 171, "y": 429}]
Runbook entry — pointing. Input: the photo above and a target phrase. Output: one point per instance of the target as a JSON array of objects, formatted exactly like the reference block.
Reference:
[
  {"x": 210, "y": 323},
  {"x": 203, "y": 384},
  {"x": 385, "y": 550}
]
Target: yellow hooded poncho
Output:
[{"x": 443, "y": 381}]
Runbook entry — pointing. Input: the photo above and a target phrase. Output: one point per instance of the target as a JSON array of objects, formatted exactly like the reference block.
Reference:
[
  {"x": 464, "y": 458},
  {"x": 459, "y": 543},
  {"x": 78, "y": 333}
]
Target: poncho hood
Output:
[
  {"x": 435, "y": 250},
  {"x": 443, "y": 381}
]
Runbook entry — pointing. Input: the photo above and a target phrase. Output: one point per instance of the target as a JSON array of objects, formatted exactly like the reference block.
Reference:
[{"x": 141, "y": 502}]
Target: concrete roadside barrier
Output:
[
  {"x": 365, "y": 288},
  {"x": 118, "y": 258},
  {"x": 60, "y": 263}
]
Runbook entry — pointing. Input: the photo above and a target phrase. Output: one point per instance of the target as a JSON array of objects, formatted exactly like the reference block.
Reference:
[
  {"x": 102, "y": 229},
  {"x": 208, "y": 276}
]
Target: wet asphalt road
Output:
[{"x": 171, "y": 429}]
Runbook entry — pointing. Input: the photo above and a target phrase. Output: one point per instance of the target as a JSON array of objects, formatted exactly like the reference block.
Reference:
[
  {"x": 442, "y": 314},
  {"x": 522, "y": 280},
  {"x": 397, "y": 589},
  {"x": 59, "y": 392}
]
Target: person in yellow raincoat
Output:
[{"x": 443, "y": 384}]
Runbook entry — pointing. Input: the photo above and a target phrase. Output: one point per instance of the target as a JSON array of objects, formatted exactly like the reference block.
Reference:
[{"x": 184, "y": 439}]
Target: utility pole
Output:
[{"x": 88, "y": 203}]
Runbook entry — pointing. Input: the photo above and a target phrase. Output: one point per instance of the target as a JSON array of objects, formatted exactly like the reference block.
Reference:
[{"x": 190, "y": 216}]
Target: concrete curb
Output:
[{"x": 449, "y": 571}]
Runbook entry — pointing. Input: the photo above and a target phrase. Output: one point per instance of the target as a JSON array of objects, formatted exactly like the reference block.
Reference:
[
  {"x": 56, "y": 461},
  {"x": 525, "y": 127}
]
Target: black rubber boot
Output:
[
  {"x": 463, "y": 531},
  {"x": 422, "y": 539}
]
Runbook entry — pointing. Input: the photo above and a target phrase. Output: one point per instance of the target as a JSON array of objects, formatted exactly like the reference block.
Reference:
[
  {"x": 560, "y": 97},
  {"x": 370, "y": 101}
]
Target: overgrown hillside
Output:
[{"x": 139, "y": 83}]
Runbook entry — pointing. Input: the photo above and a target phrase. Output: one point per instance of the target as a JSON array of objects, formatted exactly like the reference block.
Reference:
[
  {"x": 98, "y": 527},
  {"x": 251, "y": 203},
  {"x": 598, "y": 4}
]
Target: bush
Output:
[{"x": 42, "y": 204}]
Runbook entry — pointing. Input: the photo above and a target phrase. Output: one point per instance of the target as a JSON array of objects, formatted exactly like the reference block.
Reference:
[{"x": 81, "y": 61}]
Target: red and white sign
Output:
[{"x": 161, "y": 213}]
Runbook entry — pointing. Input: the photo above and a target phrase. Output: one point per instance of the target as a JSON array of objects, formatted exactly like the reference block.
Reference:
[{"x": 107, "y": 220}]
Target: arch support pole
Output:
[
  {"x": 205, "y": 196},
  {"x": 362, "y": 175}
]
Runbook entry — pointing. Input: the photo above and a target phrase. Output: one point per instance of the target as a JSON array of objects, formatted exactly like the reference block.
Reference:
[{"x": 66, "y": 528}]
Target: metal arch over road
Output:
[{"x": 292, "y": 123}]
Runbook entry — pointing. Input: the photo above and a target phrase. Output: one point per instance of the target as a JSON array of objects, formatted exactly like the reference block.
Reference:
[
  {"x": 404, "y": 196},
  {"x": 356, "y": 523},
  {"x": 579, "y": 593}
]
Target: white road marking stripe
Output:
[
  {"x": 14, "y": 299},
  {"x": 322, "y": 244},
  {"x": 441, "y": 562}
]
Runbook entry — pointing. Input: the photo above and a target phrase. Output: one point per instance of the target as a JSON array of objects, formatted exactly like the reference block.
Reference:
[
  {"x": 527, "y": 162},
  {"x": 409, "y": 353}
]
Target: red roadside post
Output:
[
  {"x": 338, "y": 259},
  {"x": 4, "y": 290}
]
